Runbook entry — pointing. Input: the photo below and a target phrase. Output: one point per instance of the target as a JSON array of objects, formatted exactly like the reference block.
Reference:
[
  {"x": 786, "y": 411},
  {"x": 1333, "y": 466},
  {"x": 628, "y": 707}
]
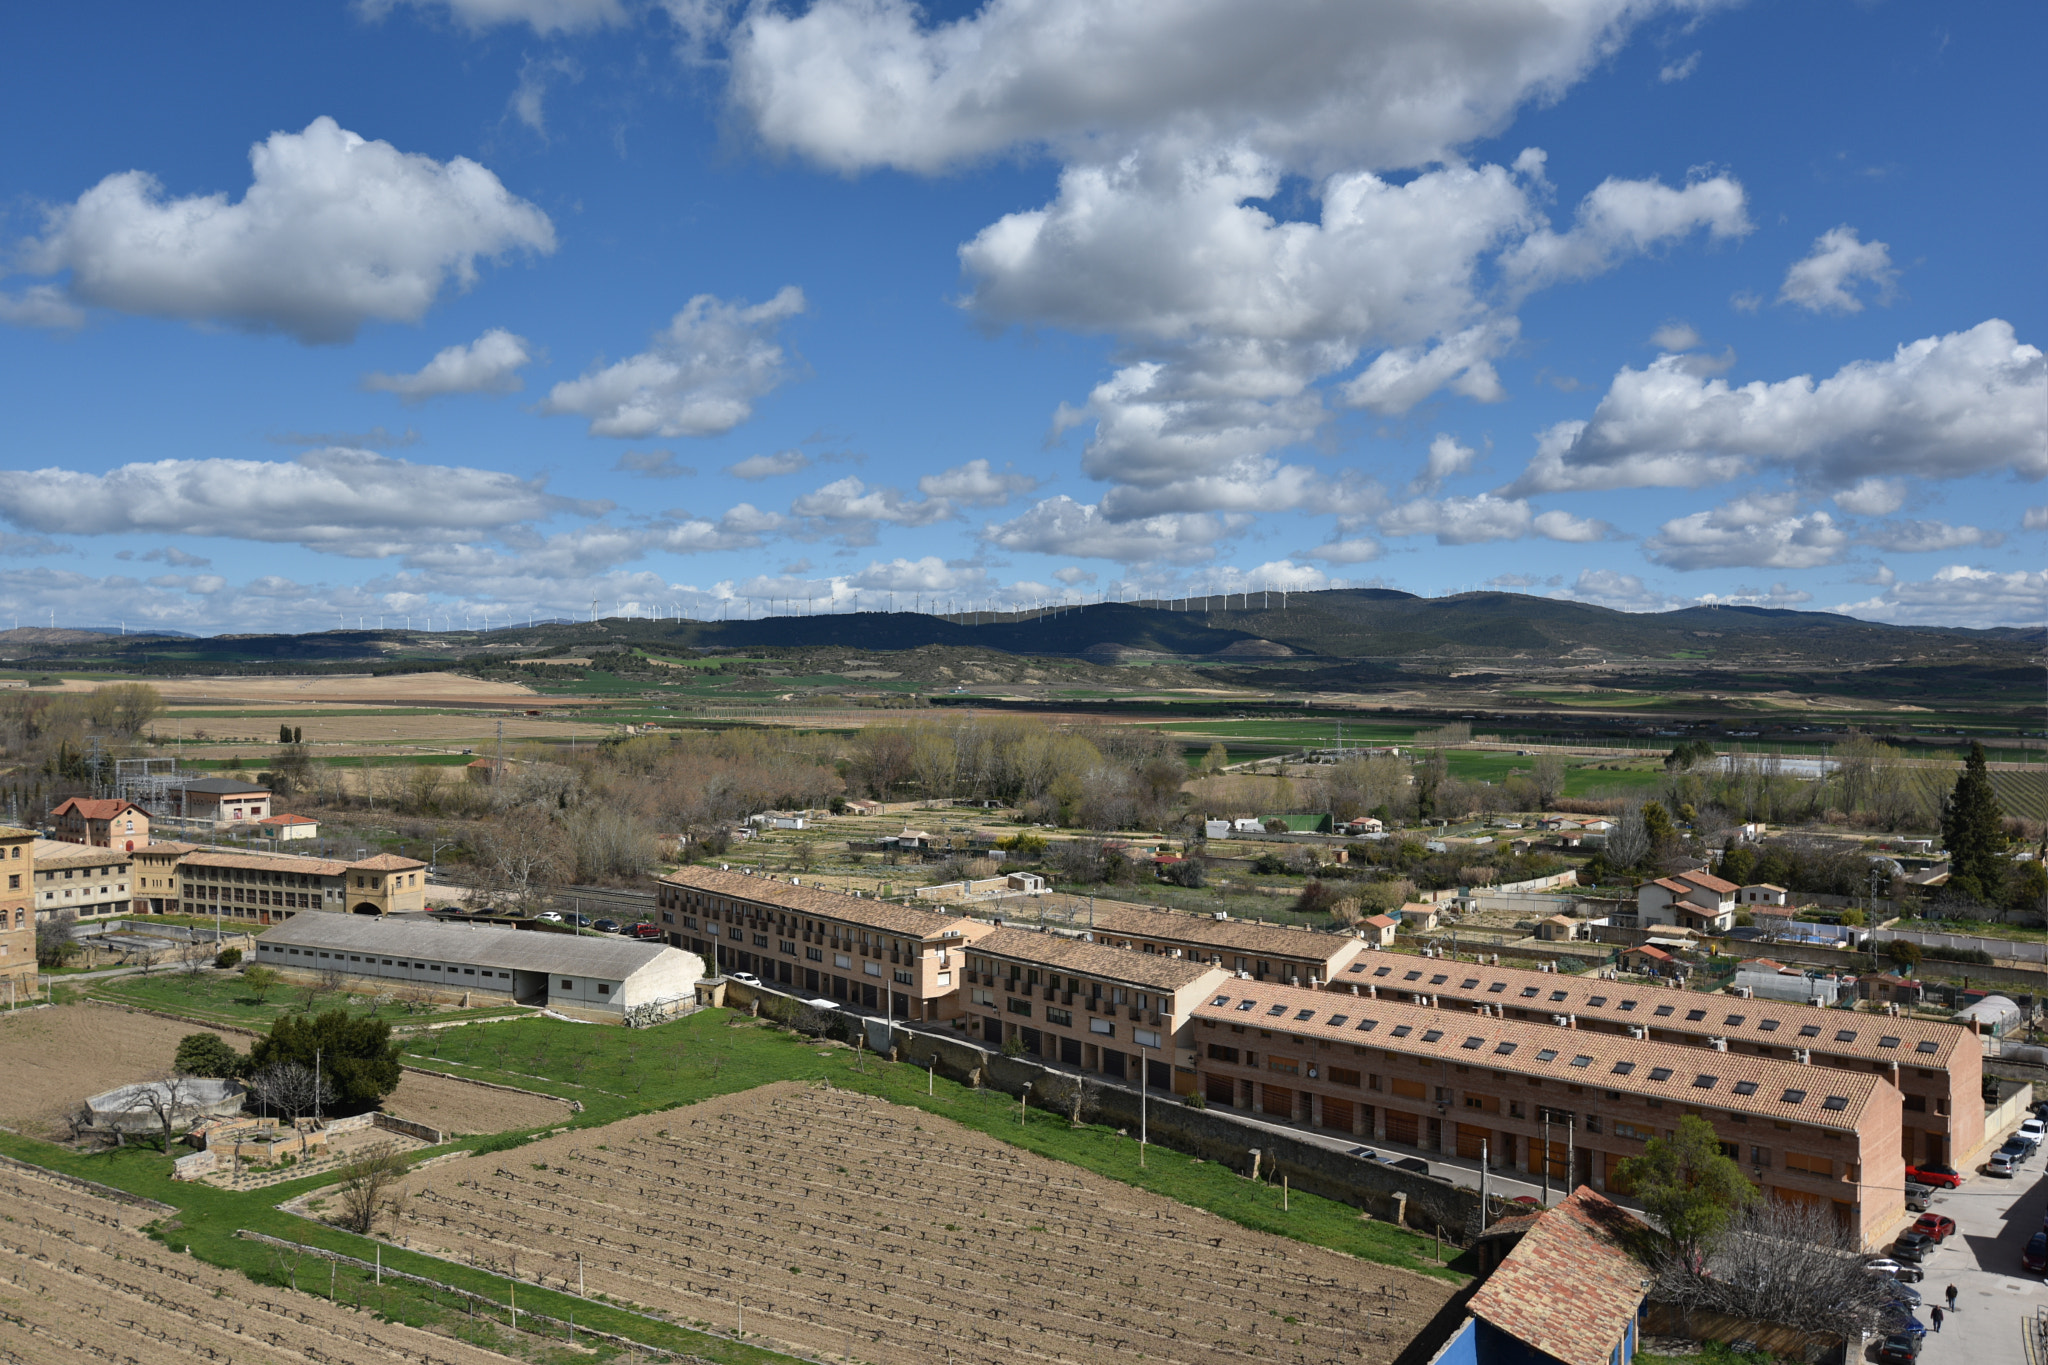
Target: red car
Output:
[
  {"x": 644, "y": 930},
  {"x": 1935, "y": 1226},
  {"x": 1942, "y": 1177}
]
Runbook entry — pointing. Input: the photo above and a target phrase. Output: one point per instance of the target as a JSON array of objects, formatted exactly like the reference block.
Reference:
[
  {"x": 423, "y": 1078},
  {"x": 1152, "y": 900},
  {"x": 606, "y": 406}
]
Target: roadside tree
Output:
[{"x": 1689, "y": 1186}]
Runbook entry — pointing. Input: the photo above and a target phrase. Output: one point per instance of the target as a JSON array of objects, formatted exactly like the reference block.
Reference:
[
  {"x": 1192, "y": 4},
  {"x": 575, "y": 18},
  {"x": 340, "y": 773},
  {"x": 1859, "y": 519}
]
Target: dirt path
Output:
[{"x": 842, "y": 1223}]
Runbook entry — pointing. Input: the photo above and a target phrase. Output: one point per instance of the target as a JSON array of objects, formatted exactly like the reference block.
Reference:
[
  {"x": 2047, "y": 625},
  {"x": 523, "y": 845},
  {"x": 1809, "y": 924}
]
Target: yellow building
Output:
[{"x": 17, "y": 914}]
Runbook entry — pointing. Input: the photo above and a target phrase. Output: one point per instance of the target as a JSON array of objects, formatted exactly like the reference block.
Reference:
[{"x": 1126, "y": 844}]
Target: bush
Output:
[
  {"x": 228, "y": 957},
  {"x": 206, "y": 1054},
  {"x": 1190, "y": 872},
  {"x": 1270, "y": 865},
  {"x": 1317, "y": 898},
  {"x": 1195, "y": 1099},
  {"x": 354, "y": 1053}
]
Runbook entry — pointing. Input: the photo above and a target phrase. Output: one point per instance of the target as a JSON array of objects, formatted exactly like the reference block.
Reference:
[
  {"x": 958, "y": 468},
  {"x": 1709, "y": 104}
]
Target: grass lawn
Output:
[
  {"x": 617, "y": 1072},
  {"x": 225, "y": 998}
]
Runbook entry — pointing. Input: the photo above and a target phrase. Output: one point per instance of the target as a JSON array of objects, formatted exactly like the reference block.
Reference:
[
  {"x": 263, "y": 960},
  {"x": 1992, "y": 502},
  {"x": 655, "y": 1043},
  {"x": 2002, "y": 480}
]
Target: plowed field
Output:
[{"x": 847, "y": 1225}]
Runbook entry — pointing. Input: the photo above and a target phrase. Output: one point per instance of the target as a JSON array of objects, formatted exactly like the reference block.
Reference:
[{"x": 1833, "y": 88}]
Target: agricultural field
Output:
[
  {"x": 55, "y": 1058},
  {"x": 226, "y": 998},
  {"x": 461, "y": 1109},
  {"x": 845, "y": 1225},
  {"x": 81, "y": 1280}
]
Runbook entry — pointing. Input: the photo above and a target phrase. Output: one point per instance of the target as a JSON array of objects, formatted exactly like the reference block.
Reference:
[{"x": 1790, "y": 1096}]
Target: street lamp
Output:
[
  {"x": 1144, "y": 1089},
  {"x": 1023, "y": 1100}
]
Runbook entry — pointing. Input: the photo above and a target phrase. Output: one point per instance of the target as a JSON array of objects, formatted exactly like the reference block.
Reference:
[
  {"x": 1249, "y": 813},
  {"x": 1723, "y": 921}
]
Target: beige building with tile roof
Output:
[
  {"x": 81, "y": 880},
  {"x": 1277, "y": 951}
]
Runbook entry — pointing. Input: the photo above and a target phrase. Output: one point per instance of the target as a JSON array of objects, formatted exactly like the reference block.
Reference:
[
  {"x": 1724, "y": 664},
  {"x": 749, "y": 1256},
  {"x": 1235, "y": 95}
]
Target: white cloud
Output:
[
  {"x": 2036, "y": 519},
  {"x": 1756, "y": 532},
  {"x": 1447, "y": 459},
  {"x": 1560, "y": 525},
  {"x": 1346, "y": 550},
  {"x": 770, "y": 466},
  {"x": 490, "y": 364},
  {"x": 542, "y": 16},
  {"x": 351, "y": 502},
  {"x": 1943, "y": 407},
  {"x": 1061, "y": 526},
  {"x": 333, "y": 231},
  {"x": 529, "y": 98},
  {"x": 1673, "y": 72},
  {"x": 1617, "y": 590},
  {"x": 177, "y": 558},
  {"x": 653, "y": 464},
  {"x": 1778, "y": 595},
  {"x": 1072, "y": 576},
  {"x": 1823, "y": 282},
  {"x": 1675, "y": 336},
  {"x": 1924, "y": 537},
  {"x": 848, "y": 505},
  {"x": 41, "y": 305},
  {"x": 1399, "y": 378},
  {"x": 926, "y": 574},
  {"x": 1960, "y": 595},
  {"x": 1473, "y": 521},
  {"x": 855, "y": 84},
  {"x": 701, "y": 376},
  {"x": 1873, "y": 497},
  {"x": 975, "y": 484},
  {"x": 1623, "y": 218}
]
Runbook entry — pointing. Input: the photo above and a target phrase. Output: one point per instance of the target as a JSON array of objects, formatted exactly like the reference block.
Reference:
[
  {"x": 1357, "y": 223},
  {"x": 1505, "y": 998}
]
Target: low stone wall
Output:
[{"x": 1699, "y": 1324}]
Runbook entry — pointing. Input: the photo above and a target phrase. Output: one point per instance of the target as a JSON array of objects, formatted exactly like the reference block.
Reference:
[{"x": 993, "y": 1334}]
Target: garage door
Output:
[
  {"x": 1221, "y": 1090},
  {"x": 1337, "y": 1114},
  {"x": 1276, "y": 1101},
  {"x": 1469, "y": 1140},
  {"x": 1612, "y": 1162},
  {"x": 1401, "y": 1127}
]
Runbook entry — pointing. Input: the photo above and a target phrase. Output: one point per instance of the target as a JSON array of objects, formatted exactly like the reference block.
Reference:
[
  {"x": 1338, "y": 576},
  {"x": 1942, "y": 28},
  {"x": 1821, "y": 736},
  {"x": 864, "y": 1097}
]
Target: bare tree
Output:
[
  {"x": 291, "y": 1090},
  {"x": 1792, "y": 1264},
  {"x": 168, "y": 1097},
  {"x": 1548, "y": 779},
  {"x": 1628, "y": 843},
  {"x": 366, "y": 1190}
]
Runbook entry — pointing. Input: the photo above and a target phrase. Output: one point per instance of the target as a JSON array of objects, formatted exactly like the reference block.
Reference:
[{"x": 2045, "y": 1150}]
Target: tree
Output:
[
  {"x": 365, "y": 1189},
  {"x": 1689, "y": 1185},
  {"x": 169, "y": 1097},
  {"x": 1628, "y": 843},
  {"x": 291, "y": 767},
  {"x": 1316, "y": 898},
  {"x": 1548, "y": 778},
  {"x": 1904, "y": 953},
  {"x": 1217, "y": 759},
  {"x": 1785, "y": 1263},
  {"x": 356, "y": 1053},
  {"x": 206, "y": 1054},
  {"x": 284, "y": 734},
  {"x": 54, "y": 946},
  {"x": 1657, "y": 824},
  {"x": 290, "y": 1090},
  {"x": 259, "y": 982},
  {"x": 1972, "y": 828}
]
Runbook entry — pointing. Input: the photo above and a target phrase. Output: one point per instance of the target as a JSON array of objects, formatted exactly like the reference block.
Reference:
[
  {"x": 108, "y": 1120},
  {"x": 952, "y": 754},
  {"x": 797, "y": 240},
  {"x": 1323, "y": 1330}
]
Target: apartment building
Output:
[
  {"x": 80, "y": 880},
  {"x": 1449, "y": 1081},
  {"x": 1938, "y": 1068},
  {"x": 17, "y": 913},
  {"x": 103, "y": 824},
  {"x": 899, "y": 959},
  {"x": 1103, "y": 1009},
  {"x": 270, "y": 890},
  {"x": 1263, "y": 951}
]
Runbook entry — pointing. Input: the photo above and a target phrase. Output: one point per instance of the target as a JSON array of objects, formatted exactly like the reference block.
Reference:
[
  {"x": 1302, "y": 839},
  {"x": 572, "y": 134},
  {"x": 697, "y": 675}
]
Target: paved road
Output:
[{"x": 1995, "y": 1300}]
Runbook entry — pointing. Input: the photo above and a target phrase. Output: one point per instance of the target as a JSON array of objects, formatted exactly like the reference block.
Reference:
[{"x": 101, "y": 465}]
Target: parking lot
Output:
[{"x": 1995, "y": 1300}]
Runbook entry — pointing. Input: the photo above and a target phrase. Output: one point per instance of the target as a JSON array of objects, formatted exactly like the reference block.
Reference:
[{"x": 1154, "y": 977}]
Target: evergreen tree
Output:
[{"x": 1971, "y": 828}]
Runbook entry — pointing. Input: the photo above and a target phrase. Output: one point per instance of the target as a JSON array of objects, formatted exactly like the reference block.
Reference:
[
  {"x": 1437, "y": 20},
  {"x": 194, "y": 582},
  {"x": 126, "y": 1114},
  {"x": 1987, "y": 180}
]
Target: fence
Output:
[{"x": 2010, "y": 950}]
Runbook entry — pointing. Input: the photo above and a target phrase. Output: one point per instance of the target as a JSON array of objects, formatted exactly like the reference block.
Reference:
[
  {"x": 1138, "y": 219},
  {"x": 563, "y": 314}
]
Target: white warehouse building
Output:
[{"x": 527, "y": 967}]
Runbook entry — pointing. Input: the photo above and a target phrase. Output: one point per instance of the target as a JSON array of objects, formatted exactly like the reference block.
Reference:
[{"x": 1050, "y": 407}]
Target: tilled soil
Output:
[
  {"x": 77, "y": 1281},
  {"x": 849, "y": 1227},
  {"x": 51, "y": 1060},
  {"x": 456, "y": 1106}
]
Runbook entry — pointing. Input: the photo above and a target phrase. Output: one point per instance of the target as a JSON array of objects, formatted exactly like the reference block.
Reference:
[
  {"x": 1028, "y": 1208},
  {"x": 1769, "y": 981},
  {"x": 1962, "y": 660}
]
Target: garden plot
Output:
[
  {"x": 458, "y": 1106},
  {"x": 51, "y": 1059},
  {"x": 77, "y": 1281},
  {"x": 843, "y": 1224}
]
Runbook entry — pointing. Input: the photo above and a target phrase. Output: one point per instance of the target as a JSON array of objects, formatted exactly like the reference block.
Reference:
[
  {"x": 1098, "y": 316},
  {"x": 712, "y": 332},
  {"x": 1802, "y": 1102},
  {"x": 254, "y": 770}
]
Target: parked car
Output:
[
  {"x": 2002, "y": 1164},
  {"x": 746, "y": 978},
  {"x": 1899, "y": 1349},
  {"x": 1903, "y": 1324},
  {"x": 1412, "y": 1163},
  {"x": 551, "y": 916},
  {"x": 644, "y": 930},
  {"x": 1912, "y": 1246},
  {"x": 1918, "y": 1197},
  {"x": 1902, "y": 1293},
  {"x": 2034, "y": 1130},
  {"x": 606, "y": 926},
  {"x": 582, "y": 921},
  {"x": 1903, "y": 1271},
  {"x": 819, "y": 1002},
  {"x": 1935, "y": 1226},
  {"x": 2034, "y": 1256},
  {"x": 1941, "y": 1177},
  {"x": 1365, "y": 1154}
]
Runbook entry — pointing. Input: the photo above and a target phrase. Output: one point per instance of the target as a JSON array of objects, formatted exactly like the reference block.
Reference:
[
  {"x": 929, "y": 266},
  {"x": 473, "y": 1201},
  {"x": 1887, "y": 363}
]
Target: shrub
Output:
[
  {"x": 1195, "y": 1099},
  {"x": 1317, "y": 898},
  {"x": 1189, "y": 872},
  {"x": 1270, "y": 865},
  {"x": 205, "y": 1054},
  {"x": 228, "y": 957}
]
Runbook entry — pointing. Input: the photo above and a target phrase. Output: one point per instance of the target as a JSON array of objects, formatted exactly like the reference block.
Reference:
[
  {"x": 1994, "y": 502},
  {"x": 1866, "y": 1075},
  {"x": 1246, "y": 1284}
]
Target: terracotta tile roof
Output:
[
  {"x": 385, "y": 862},
  {"x": 1710, "y": 882},
  {"x": 287, "y": 820},
  {"x": 304, "y": 867},
  {"x": 863, "y": 911},
  {"x": 169, "y": 848},
  {"x": 1673, "y": 885},
  {"x": 53, "y": 853},
  {"x": 1734, "y": 1081},
  {"x": 1773, "y": 1023},
  {"x": 1384, "y": 922},
  {"x": 1766, "y": 886},
  {"x": 1128, "y": 920},
  {"x": 1572, "y": 1284},
  {"x": 95, "y": 810},
  {"x": 1153, "y": 970},
  {"x": 1647, "y": 951}
]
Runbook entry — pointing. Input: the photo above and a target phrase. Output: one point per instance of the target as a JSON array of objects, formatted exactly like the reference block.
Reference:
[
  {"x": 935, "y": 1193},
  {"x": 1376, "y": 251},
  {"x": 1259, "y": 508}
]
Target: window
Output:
[
  {"x": 1341, "y": 1076},
  {"x": 1627, "y": 1005},
  {"x": 1927, "y": 1045},
  {"x": 1556, "y": 996},
  {"x": 1220, "y": 1000},
  {"x": 1745, "y": 1087},
  {"x": 1064, "y": 1018},
  {"x": 1243, "y": 1005},
  {"x": 1629, "y": 1130},
  {"x": 1220, "y": 1053},
  {"x": 1411, "y": 976},
  {"x": 566, "y": 985},
  {"x": 1470, "y": 983},
  {"x": 1888, "y": 1041},
  {"x": 1809, "y": 1030},
  {"x": 1792, "y": 1097},
  {"x": 1845, "y": 1035},
  {"x": 1835, "y": 1103},
  {"x": 1503, "y": 1049},
  {"x": 1339, "y": 1020},
  {"x": 1812, "y": 1165},
  {"x": 871, "y": 968},
  {"x": 1598, "y": 1002},
  {"x": 1582, "y": 1060},
  {"x": 1300, "y": 1015},
  {"x": 1285, "y": 1065},
  {"x": 1660, "y": 1073},
  {"x": 1439, "y": 979},
  {"x": 1403, "y": 1030},
  {"x": 1663, "y": 1010},
  {"x": 603, "y": 989},
  {"x": 1732, "y": 1021},
  {"x": 904, "y": 978},
  {"x": 814, "y": 954},
  {"x": 1705, "y": 1082},
  {"x": 1528, "y": 992},
  {"x": 1367, "y": 1025},
  {"x": 1694, "y": 1016},
  {"x": 1102, "y": 1026},
  {"x": 1623, "y": 1068},
  {"x": 1433, "y": 1035},
  {"x": 841, "y": 961},
  {"x": 1496, "y": 988},
  {"x": 1767, "y": 1025},
  {"x": 1022, "y": 1007}
]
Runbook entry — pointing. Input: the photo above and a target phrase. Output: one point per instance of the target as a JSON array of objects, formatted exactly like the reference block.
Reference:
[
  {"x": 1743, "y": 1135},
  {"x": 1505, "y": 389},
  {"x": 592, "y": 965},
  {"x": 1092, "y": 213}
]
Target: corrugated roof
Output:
[
  {"x": 1155, "y": 970},
  {"x": 1531, "y": 1049},
  {"x": 885, "y": 916},
  {"x": 221, "y": 786},
  {"x": 1571, "y": 1285},
  {"x": 607, "y": 959},
  {"x": 1772, "y": 1023}
]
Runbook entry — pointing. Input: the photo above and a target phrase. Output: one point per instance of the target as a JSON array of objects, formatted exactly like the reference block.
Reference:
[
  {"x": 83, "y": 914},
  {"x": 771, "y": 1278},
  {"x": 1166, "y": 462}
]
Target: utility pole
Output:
[{"x": 1546, "y": 1158}]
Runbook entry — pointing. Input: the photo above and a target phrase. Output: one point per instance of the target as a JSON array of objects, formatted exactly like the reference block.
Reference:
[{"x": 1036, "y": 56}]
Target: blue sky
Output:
[{"x": 456, "y": 309}]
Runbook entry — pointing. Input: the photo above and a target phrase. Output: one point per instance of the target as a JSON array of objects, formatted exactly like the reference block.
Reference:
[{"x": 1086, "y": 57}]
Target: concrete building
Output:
[
  {"x": 81, "y": 880},
  {"x": 1938, "y": 1067},
  {"x": 1763, "y": 893},
  {"x": 610, "y": 976},
  {"x": 103, "y": 824},
  {"x": 286, "y": 827},
  {"x": 899, "y": 959},
  {"x": 156, "y": 876},
  {"x": 223, "y": 801},
  {"x": 17, "y": 913},
  {"x": 1690, "y": 900},
  {"x": 1445, "y": 1080},
  {"x": 387, "y": 885},
  {"x": 1083, "y": 1004},
  {"x": 1379, "y": 930},
  {"x": 1264, "y": 951},
  {"x": 271, "y": 889}
]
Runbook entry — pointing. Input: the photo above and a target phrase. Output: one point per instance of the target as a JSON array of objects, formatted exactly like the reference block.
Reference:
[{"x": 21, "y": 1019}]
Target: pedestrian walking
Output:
[
  {"x": 1951, "y": 1298},
  {"x": 1935, "y": 1315}
]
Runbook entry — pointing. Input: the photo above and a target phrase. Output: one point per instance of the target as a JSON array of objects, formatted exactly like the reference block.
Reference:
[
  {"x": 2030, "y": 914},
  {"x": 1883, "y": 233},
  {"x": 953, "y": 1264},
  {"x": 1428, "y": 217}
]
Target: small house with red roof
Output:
[
  {"x": 1379, "y": 930},
  {"x": 1690, "y": 900},
  {"x": 283, "y": 827},
  {"x": 101, "y": 824},
  {"x": 1571, "y": 1291}
]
